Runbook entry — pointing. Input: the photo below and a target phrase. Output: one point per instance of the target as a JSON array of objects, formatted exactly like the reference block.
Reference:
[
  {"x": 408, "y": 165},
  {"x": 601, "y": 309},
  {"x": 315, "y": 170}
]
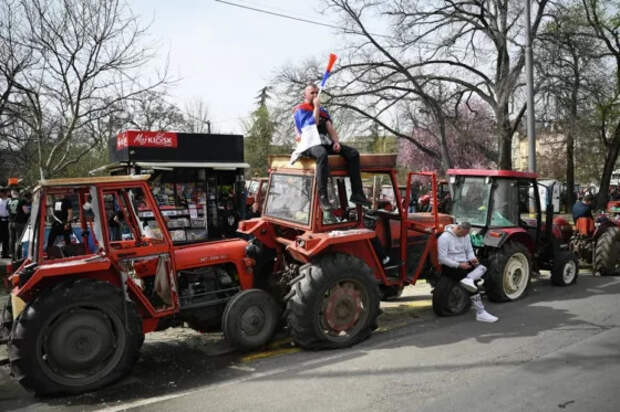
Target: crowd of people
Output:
[{"x": 14, "y": 214}]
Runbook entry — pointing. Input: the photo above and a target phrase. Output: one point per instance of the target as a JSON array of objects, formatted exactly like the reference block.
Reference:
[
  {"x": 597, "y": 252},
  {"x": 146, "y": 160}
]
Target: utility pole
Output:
[{"x": 529, "y": 75}]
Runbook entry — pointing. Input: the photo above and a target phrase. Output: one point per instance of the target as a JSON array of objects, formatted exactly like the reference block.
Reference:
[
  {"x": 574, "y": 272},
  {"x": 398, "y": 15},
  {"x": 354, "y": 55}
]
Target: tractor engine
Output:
[
  {"x": 204, "y": 285},
  {"x": 582, "y": 246}
]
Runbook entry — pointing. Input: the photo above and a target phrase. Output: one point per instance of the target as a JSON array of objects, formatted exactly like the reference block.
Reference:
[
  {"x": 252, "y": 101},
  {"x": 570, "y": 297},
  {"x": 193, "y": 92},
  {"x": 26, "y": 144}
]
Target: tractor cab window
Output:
[
  {"x": 527, "y": 199},
  {"x": 505, "y": 205},
  {"x": 471, "y": 198},
  {"x": 289, "y": 198},
  {"x": 148, "y": 227},
  {"x": 117, "y": 216},
  {"x": 338, "y": 194},
  {"x": 71, "y": 223}
]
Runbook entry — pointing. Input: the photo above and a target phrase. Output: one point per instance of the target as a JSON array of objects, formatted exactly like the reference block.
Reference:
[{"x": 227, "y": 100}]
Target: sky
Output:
[{"x": 224, "y": 55}]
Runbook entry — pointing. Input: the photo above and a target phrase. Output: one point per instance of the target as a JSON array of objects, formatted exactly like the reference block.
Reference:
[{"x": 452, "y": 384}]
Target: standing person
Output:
[
  {"x": 14, "y": 230},
  {"x": 583, "y": 208},
  {"x": 457, "y": 259},
  {"x": 21, "y": 219},
  {"x": 4, "y": 222},
  {"x": 310, "y": 113},
  {"x": 62, "y": 215}
]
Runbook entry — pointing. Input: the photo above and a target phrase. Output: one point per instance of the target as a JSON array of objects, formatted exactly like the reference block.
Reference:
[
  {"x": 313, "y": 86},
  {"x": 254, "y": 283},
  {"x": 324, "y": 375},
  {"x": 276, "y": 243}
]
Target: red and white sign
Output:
[{"x": 134, "y": 138}]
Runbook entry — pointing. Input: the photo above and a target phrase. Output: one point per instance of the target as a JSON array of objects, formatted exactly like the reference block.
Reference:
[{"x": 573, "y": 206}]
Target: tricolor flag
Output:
[
  {"x": 305, "y": 126},
  {"x": 330, "y": 64}
]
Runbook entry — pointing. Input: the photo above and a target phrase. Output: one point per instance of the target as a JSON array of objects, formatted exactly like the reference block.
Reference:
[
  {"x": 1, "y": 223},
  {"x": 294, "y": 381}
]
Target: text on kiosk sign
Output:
[{"x": 146, "y": 139}]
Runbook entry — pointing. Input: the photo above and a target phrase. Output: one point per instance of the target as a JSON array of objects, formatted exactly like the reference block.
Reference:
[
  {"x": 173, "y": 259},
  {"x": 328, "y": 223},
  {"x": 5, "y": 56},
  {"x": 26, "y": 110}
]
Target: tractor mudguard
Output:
[{"x": 496, "y": 238}]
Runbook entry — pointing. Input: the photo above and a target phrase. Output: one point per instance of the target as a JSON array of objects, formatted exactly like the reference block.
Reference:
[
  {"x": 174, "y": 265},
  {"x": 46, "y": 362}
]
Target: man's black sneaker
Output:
[
  {"x": 359, "y": 199},
  {"x": 325, "y": 205}
]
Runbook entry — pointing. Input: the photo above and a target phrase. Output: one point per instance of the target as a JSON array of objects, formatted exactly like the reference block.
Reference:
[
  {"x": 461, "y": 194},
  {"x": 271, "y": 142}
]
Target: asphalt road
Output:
[{"x": 556, "y": 349}]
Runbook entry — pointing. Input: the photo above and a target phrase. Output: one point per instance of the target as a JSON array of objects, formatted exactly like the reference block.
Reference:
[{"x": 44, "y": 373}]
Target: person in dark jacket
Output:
[{"x": 583, "y": 207}]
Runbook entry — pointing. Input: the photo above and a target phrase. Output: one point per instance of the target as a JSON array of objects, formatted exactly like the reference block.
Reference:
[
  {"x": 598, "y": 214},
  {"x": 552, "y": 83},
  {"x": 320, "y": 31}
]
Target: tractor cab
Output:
[{"x": 508, "y": 232}]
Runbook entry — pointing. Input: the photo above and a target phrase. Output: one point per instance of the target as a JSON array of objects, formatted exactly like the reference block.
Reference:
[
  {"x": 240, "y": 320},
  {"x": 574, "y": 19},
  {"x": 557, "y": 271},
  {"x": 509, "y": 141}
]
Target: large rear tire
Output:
[
  {"x": 509, "y": 274},
  {"x": 334, "y": 304},
  {"x": 449, "y": 298},
  {"x": 607, "y": 252},
  {"x": 78, "y": 337},
  {"x": 565, "y": 269}
]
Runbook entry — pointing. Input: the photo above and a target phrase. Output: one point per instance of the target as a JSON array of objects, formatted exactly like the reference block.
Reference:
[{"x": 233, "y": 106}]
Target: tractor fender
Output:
[
  {"x": 97, "y": 265},
  {"x": 496, "y": 238},
  {"x": 603, "y": 225}
]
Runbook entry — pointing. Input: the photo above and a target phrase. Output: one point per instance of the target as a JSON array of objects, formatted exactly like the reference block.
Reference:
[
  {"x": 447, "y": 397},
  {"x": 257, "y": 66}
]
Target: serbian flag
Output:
[
  {"x": 305, "y": 126},
  {"x": 328, "y": 70}
]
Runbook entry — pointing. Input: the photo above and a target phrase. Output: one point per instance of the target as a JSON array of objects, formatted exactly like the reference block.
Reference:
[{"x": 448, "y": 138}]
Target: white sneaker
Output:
[
  {"x": 385, "y": 260},
  {"x": 469, "y": 285},
  {"x": 485, "y": 316}
]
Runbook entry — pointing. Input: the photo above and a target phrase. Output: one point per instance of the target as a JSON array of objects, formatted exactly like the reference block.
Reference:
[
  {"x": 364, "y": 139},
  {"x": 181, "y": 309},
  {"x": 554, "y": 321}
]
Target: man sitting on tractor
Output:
[
  {"x": 310, "y": 113},
  {"x": 583, "y": 210},
  {"x": 457, "y": 259}
]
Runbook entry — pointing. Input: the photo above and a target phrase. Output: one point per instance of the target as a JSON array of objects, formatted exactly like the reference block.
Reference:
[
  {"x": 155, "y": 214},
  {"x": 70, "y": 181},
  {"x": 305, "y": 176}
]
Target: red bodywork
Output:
[{"x": 106, "y": 262}]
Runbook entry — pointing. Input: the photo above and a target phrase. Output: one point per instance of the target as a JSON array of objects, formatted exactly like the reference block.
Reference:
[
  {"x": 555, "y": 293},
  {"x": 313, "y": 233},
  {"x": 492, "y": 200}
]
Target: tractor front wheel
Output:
[
  {"x": 76, "y": 338},
  {"x": 334, "y": 304},
  {"x": 565, "y": 269},
  {"x": 509, "y": 272},
  {"x": 607, "y": 252},
  {"x": 250, "y": 319},
  {"x": 449, "y": 298}
]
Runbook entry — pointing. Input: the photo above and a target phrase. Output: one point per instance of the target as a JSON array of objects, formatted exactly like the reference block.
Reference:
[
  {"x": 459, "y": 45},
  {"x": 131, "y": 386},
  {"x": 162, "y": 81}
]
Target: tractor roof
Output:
[
  {"x": 84, "y": 181},
  {"x": 491, "y": 173},
  {"x": 336, "y": 162}
]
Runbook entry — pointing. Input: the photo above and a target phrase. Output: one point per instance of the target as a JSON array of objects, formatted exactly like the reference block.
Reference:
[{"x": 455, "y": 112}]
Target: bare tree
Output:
[
  {"x": 474, "y": 46},
  {"x": 87, "y": 57},
  {"x": 603, "y": 18},
  {"x": 196, "y": 115},
  {"x": 569, "y": 61},
  {"x": 150, "y": 110}
]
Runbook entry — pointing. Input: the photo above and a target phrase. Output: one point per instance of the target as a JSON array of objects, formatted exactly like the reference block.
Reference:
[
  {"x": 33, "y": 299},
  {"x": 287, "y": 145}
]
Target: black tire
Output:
[
  {"x": 335, "y": 282},
  {"x": 250, "y": 319},
  {"x": 390, "y": 292},
  {"x": 88, "y": 316},
  {"x": 6, "y": 322},
  {"x": 449, "y": 298},
  {"x": 509, "y": 272},
  {"x": 565, "y": 269},
  {"x": 607, "y": 252}
]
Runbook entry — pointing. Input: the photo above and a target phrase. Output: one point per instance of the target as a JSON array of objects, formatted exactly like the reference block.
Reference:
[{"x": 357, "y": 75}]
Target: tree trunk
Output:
[
  {"x": 504, "y": 139},
  {"x": 613, "y": 148},
  {"x": 570, "y": 169}
]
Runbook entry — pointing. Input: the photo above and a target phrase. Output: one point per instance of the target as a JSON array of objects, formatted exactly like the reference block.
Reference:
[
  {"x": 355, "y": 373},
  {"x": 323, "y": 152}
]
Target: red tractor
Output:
[
  {"x": 331, "y": 267},
  {"x": 597, "y": 242},
  {"x": 81, "y": 302},
  {"x": 498, "y": 204}
]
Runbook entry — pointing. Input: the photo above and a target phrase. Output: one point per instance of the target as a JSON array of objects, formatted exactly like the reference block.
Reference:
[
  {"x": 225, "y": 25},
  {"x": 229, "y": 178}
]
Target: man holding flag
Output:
[{"x": 317, "y": 138}]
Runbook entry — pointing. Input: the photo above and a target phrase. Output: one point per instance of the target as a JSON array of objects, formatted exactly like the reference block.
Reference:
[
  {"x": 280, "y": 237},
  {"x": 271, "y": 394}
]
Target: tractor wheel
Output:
[
  {"x": 449, "y": 298},
  {"x": 509, "y": 272},
  {"x": 607, "y": 252},
  {"x": 390, "y": 292},
  {"x": 250, "y": 319},
  {"x": 76, "y": 338},
  {"x": 6, "y": 322},
  {"x": 335, "y": 304},
  {"x": 565, "y": 269}
]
